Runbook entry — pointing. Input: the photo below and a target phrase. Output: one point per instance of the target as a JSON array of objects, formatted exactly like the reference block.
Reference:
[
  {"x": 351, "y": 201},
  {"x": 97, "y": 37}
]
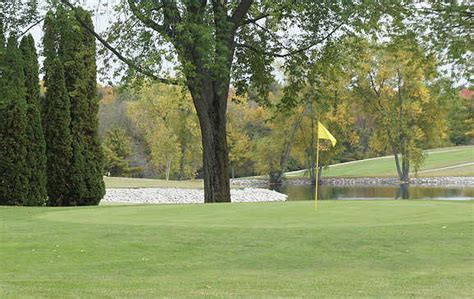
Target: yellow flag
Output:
[{"x": 323, "y": 133}]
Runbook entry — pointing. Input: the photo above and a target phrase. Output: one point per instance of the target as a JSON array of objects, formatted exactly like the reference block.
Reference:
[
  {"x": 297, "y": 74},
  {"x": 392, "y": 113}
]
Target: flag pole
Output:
[{"x": 316, "y": 169}]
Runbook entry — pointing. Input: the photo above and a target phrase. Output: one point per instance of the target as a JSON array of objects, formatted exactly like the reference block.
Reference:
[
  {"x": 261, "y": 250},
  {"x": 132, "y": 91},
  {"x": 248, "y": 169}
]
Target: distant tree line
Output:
[
  {"x": 377, "y": 99},
  {"x": 50, "y": 152}
]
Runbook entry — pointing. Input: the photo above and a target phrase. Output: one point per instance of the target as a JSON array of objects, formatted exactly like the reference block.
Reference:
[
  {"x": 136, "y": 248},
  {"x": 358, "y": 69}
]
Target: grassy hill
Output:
[
  {"x": 345, "y": 249},
  {"x": 452, "y": 161}
]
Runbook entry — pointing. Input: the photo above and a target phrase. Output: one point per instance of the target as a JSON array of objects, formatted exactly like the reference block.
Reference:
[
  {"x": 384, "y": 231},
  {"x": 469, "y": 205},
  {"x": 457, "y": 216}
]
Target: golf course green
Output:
[
  {"x": 450, "y": 161},
  {"x": 344, "y": 249}
]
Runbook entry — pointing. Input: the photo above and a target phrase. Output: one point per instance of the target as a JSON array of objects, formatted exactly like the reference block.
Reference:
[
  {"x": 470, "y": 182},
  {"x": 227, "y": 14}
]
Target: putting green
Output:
[
  {"x": 346, "y": 248},
  {"x": 266, "y": 215}
]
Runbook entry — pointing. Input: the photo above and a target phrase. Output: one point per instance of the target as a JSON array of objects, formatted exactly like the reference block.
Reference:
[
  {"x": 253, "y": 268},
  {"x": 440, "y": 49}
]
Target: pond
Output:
[{"x": 306, "y": 192}]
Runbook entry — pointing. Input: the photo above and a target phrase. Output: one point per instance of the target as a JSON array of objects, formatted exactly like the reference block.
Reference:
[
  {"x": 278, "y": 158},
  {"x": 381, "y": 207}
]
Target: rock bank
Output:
[
  {"x": 428, "y": 181},
  {"x": 185, "y": 196}
]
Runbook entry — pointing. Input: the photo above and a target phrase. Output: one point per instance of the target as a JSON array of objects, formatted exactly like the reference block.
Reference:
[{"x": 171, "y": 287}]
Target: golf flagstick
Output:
[
  {"x": 322, "y": 133},
  {"x": 316, "y": 170}
]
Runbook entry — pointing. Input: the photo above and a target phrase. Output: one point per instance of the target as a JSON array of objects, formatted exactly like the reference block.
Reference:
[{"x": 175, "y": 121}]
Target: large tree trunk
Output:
[
  {"x": 215, "y": 155},
  {"x": 210, "y": 101}
]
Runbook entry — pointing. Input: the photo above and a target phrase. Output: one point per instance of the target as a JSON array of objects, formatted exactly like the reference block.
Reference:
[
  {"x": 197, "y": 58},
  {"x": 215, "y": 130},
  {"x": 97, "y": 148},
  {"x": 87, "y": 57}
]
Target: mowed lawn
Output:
[
  {"x": 123, "y": 182},
  {"x": 346, "y": 248},
  {"x": 452, "y": 161}
]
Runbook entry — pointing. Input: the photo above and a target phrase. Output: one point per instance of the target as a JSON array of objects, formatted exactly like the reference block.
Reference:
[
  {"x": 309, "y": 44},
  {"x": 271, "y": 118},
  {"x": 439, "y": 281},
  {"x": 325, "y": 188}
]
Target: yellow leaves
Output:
[
  {"x": 170, "y": 127},
  {"x": 424, "y": 94},
  {"x": 239, "y": 146},
  {"x": 107, "y": 94},
  {"x": 413, "y": 109}
]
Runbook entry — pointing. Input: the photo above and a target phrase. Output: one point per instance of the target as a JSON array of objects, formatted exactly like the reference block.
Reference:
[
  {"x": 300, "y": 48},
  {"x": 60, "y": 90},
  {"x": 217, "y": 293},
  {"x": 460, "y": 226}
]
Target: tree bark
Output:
[
  {"x": 405, "y": 168},
  {"x": 215, "y": 154},
  {"x": 397, "y": 162}
]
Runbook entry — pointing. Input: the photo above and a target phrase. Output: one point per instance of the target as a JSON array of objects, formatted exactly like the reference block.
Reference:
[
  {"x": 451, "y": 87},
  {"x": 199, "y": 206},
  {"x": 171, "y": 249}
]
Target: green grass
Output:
[
  {"x": 385, "y": 166},
  {"x": 345, "y": 249},
  {"x": 116, "y": 182},
  {"x": 467, "y": 170}
]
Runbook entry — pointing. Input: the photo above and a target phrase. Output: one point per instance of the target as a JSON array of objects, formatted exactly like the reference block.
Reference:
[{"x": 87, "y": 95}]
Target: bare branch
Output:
[
  {"x": 372, "y": 83},
  {"x": 29, "y": 28},
  {"x": 291, "y": 53}
]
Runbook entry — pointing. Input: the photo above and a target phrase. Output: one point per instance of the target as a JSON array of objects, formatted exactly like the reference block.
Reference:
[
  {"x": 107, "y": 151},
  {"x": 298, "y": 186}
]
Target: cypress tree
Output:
[
  {"x": 94, "y": 155},
  {"x": 57, "y": 119},
  {"x": 58, "y": 136},
  {"x": 36, "y": 155},
  {"x": 78, "y": 53},
  {"x": 68, "y": 45},
  {"x": 14, "y": 171},
  {"x": 3, "y": 160},
  {"x": 70, "y": 51}
]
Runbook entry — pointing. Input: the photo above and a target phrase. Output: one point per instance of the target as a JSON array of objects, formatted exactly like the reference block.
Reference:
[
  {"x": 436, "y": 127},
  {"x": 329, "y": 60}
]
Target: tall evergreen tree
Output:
[
  {"x": 58, "y": 137},
  {"x": 3, "y": 187},
  {"x": 70, "y": 49},
  {"x": 57, "y": 115},
  {"x": 94, "y": 155},
  {"x": 36, "y": 155},
  {"x": 78, "y": 53},
  {"x": 70, "y": 46},
  {"x": 14, "y": 171}
]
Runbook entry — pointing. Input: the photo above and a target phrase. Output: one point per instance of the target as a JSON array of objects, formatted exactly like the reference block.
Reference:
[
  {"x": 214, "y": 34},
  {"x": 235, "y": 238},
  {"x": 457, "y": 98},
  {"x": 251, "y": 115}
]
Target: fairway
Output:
[
  {"x": 123, "y": 182},
  {"x": 346, "y": 248},
  {"x": 451, "y": 161}
]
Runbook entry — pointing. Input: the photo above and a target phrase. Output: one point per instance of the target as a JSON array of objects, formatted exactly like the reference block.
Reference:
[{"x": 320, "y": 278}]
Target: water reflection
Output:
[
  {"x": 403, "y": 191},
  {"x": 306, "y": 192}
]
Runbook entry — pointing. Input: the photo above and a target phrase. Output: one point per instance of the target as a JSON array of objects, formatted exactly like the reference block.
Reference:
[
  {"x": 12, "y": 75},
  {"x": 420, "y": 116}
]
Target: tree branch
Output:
[
  {"x": 240, "y": 12},
  {"x": 291, "y": 53},
  {"x": 254, "y": 20},
  {"x": 29, "y": 28},
  {"x": 129, "y": 62},
  {"x": 372, "y": 83},
  {"x": 148, "y": 22}
]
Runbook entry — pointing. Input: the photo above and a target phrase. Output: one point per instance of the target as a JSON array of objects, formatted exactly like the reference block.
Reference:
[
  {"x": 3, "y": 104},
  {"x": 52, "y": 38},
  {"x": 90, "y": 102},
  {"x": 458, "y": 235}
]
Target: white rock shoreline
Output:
[
  {"x": 185, "y": 196},
  {"x": 421, "y": 181}
]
